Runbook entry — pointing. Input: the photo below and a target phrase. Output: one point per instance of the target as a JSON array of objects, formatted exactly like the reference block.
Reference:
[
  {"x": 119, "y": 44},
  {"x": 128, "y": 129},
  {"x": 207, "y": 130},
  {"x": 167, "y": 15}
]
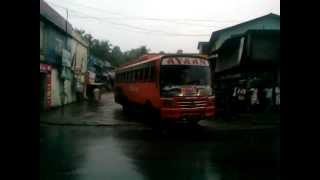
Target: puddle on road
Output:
[{"x": 87, "y": 153}]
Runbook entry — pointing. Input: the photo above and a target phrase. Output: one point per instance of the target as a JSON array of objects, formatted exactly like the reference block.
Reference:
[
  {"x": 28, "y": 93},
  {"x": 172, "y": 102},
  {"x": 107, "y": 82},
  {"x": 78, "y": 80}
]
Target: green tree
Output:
[
  {"x": 135, "y": 53},
  {"x": 117, "y": 57},
  {"x": 97, "y": 48},
  {"x": 103, "y": 49}
]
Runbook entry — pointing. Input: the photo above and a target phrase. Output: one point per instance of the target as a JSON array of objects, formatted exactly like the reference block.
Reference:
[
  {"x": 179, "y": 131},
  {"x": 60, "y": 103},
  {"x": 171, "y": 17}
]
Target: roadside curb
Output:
[
  {"x": 235, "y": 127},
  {"x": 211, "y": 127},
  {"x": 88, "y": 124}
]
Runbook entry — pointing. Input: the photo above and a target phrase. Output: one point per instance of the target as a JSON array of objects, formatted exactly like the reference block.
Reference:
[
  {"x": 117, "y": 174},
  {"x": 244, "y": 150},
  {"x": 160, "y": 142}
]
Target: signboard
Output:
[
  {"x": 45, "y": 68},
  {"x": 66, "y": 58},
  {"x": 191, "y": 61},
  {"x": 49, "y": 90}
]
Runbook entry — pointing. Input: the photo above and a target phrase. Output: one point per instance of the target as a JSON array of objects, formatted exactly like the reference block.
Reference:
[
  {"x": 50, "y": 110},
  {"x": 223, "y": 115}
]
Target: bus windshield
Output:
[{"x": 180, "y": 75}]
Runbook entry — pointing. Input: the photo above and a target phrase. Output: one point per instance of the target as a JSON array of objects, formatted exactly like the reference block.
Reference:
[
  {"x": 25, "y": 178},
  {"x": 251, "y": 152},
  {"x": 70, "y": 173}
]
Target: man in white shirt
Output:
[
  {"x": 242, "y": 98},
  {"x": 254, "y": 101},
  {"x": 268, "y": 98},
  {"x": 277, "y": 94}
]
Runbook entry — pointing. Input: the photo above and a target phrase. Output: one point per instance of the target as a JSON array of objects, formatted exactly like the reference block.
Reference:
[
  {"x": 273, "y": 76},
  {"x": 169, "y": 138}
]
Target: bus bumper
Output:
[{"x": 187, "y": 113}]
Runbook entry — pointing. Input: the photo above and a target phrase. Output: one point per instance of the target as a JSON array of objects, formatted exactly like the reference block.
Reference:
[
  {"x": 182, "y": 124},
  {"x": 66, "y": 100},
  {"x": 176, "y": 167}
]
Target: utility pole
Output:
[{"x": 63, "y": 94}]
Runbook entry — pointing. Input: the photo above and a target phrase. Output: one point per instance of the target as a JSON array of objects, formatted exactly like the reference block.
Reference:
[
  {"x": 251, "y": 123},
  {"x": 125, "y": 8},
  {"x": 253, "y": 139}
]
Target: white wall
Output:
[
  {"x": 71, "y": 95},
  {"x": 56, "y": 88}
]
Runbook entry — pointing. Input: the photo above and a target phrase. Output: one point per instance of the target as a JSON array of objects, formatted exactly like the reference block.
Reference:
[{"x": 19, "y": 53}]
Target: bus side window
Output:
[
  {"x": 148, "y": 73},
  {"x": 129, "y": 76},
  {"x": 141, "y": 74},
  {"x": 133, "y": 75},
  {"x": 138, "y": 74},
  {"x": 145, "y": 74},
  {"x": 152, "y": 73}
]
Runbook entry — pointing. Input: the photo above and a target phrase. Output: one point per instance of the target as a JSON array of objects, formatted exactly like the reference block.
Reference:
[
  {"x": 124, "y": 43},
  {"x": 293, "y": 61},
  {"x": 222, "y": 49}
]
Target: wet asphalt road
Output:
[
  {"x": 142, "y": 153},
  {"x": 94, "y": 153}
]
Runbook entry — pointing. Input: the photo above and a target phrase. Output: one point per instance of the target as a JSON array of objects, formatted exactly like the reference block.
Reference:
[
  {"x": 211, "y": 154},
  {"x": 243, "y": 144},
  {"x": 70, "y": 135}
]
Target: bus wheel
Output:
[
  {"x": 151, "y": 113},
  {"x": 126, "y": 106},
  {"x": 125, "y": 109},
  {"x": 194, "y": 124}
]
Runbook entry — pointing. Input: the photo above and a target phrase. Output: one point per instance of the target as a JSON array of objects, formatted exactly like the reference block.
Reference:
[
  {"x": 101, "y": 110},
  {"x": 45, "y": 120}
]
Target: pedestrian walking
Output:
[
  {"x": 63, "y": 100},
  {"x": 97, "y": 94},
  {"x": 234, "y": 99},
  {"x": 79, "y": 91}
]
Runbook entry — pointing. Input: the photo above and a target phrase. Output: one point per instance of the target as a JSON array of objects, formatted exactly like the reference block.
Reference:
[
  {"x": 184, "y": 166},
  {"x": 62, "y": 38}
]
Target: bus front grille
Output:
[{"x": 191, "y": 103}]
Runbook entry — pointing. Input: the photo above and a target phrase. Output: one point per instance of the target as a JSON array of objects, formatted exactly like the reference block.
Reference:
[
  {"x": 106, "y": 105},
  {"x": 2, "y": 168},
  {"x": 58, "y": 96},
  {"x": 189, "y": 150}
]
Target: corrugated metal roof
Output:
[
  {"x": 51, "y": 15},
  {"x": 215, "y": 35},
  {"x": 202, "y": 44}
]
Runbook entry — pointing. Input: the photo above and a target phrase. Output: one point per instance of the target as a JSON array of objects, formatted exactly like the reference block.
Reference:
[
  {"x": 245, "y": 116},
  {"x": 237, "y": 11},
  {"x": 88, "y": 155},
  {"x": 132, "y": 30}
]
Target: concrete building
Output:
[
  {"x": 63, "y": 58},
  {"x": 202, "y": 47},
  {"x": 267, "y": 22},
  {"x": 79, "y": 54},
  {"x": 246, "y": 54}
]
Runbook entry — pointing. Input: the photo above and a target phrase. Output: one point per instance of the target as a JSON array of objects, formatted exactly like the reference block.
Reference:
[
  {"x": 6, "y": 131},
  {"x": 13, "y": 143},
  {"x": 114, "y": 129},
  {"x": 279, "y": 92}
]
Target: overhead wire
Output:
[
  {"x": 143, "y": 30},
  {"x": 177, "y": 21}
]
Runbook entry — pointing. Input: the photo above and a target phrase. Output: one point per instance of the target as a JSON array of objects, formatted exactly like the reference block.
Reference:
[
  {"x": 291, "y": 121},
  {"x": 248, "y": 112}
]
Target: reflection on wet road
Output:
[{"x": 90, "y": 153}]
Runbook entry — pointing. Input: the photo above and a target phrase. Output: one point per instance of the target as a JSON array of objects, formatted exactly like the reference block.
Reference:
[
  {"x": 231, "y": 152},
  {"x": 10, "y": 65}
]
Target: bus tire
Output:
[
  {"x": 125, "y": 109},
  {"x": 194, "y": 123},
  {"x": 152, "y": 114},
  {"x": 125, "y": 105}
]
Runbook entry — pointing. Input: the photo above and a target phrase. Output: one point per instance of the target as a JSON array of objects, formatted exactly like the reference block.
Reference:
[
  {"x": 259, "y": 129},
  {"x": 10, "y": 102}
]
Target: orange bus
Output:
[{"x": 176, "y": 86}]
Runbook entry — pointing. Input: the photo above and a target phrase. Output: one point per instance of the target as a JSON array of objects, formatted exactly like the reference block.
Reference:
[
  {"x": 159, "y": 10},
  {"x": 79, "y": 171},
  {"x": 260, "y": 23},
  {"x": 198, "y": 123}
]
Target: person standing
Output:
[
  {"x": 79, "y": 91},
  {"x": 277, "y": 94},
  {"x": 254, "y": 100},
  {"x": 63, "y": 96},
  {"x": 97, "y": 94},
  {"x": 235, "y": 100},
  {"x": 242, "y": 98},
  {"x": 268, "y": 98}
]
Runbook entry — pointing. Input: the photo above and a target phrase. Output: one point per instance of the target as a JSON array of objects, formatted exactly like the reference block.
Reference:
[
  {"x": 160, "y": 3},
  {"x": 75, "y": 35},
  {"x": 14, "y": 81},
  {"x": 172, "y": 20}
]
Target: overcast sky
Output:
[{"x": 161, "y": 25}]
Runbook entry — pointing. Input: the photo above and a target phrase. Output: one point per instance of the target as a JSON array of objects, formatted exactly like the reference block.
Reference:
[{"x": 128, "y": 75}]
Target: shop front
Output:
[{"x": 45, "y": 86}]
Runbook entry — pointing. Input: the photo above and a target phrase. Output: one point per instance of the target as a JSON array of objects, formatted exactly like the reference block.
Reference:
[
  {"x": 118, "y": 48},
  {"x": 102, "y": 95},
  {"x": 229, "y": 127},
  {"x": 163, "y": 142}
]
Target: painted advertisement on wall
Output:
[{"x": 45, "y": 68}]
